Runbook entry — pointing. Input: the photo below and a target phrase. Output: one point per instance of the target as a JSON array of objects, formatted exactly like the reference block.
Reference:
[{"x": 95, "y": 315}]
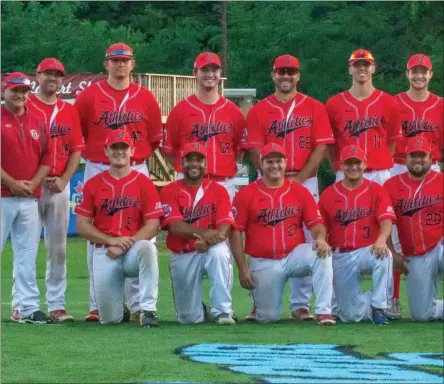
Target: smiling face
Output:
[
  {"x": 419, "y": 77},
  {"x": 119, "y": 68},
  {"x": 50, "y": 81},
  {"x": 194, "y": 165},
  {"x": 353, "y": 169},
  {"x": 418, "y": 163},
  {"x": 361, "y": 71},
  {"x": 285, "y": 79},
  {"x": 273, "y": 167},
  {"x": 16, "y": 98},
  {"x": 208, "y": 77},
  {"x": 119, "y": 154}
]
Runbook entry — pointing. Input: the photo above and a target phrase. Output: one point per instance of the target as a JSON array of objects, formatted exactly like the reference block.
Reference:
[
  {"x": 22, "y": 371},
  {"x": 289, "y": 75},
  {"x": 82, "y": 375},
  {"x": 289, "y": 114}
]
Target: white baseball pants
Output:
[
  {"x": 353, "y": 305},
  {"x": 271, "y": 275},
  {"x": 187, "y": 275},
  {"x": 20, "y": 218},
  {"x": 131, "y": 284},
  {"x": 422, "y": 284},
  {"x": 109, "y": 279}
]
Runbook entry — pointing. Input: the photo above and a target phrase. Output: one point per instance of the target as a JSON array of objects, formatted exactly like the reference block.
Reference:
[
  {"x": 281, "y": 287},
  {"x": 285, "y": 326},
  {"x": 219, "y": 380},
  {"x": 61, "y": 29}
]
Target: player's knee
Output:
[
  {"x": 147, "y": 249},
  {"x": 220, "y": 252}
]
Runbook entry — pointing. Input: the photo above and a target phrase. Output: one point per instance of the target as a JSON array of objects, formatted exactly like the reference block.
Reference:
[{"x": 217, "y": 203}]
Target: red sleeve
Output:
[
  {"x": 172, "y": 138},
  {"x": 388, "y": 187},
  {"x": 253, "y": 136},
  {"x": 81, "y": 104},
  {"x": 310, "y": 212},
  {"x": 86, "y": 203},
  {"x": 322, "y": 133},
  {"x": 384, "y": 208},
  {"x": 48, "y": 157},
  {"x": 238, "y": 128},
  {"x": 224, "y": 214},
  {"x": 393, "y": 123},
  {"x": 151, "y": 205},
  {"x": 330, "y": 108},
  {"x": 441, "y": 136},
  {"x": 171, "y": 211},
  {"x": 240, "y": 210},
  {"x": 155, "y": 133},
  {"x": 323, "y": 203},
  {"x": 77, "y": 144}
]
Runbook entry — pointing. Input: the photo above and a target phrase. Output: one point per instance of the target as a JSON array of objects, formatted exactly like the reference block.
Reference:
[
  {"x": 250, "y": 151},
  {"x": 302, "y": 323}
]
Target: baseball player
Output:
[
  {"x": 115, "y": 104},
  {"x": 119, "y": 214},
  {"x": 198, "y": 217},
  {"x": 367, "y": 117},
  {"x": 210, "y": 119},
  {"x": 301, "y": 126},
  {"x": 271, "y": 212},
  {"x": 64, "y": 127},
  {"x": 421, "y": 114},
  {"x": 358, "y": 216},
  {"x": 27, "y": 158},
  {"x": 417, "y": 196}
]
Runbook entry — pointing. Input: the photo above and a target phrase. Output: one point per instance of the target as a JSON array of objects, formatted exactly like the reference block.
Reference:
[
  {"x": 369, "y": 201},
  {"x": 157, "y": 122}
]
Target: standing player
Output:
[
  {"x": 116, "y": 104},
  {"x": 198, "y": 218},
  {"x": 210, "y": 119},
  {"x": 119, "y": 214},
  {"x": 421, "y": 114},
  {"x": 366, "y": 117},
  {"x": 64, "y": 127},
  {"x": 358, "y": 216},
  {"x": 300, "y": 124},
  {"x": 271, "y": 212},
  {"x": 27, "y": 158},
  {"x": 418, "y": 196}
]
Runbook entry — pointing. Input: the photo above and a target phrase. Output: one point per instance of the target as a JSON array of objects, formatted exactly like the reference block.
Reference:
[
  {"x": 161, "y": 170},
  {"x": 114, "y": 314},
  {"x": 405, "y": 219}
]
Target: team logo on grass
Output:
[{"x": 317, "y": 363}]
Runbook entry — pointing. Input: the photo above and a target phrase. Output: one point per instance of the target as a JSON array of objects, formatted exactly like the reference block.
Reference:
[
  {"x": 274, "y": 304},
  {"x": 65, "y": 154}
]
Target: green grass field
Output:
[{"x": 91, "y": 353}]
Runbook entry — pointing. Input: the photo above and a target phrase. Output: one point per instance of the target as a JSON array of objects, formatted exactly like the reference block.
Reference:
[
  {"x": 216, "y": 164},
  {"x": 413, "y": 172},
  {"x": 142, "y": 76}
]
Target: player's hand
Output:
[
  {"x": 124, "y": 242},
  {"x": 114, "y": 252},
  {"x": 246, "y": 279},
  {"x": 56, "y": 184},
  {"x": 213, "y": 236},
  {"x": 322, "y": 248},
  {"x": 21, "y": 188},
  {"x": 400, "y": 263},
  {"x": 201, "y": 244},
  {"x": 380, "y": 249}
]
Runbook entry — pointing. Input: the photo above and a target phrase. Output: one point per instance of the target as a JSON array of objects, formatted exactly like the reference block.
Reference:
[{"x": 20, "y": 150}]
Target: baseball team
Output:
[{"x": 383, "y": 216}]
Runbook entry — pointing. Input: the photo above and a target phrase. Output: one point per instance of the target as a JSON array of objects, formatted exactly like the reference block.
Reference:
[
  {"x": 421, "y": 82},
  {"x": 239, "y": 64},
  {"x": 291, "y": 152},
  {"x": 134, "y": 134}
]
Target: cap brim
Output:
[
  {"x": 12, "y": 86},
  {"x": 419, "y": 65},
  {"x": 353, "y": 61},
  {"x": 286, "y": 66},
  {"x": 216, "y": 64},
  {"x": 117, "y": 142},
  {"x": 352, "y": 157},
  {"x": 273, "y": 153},
  {"x": 52, "y": 69},
  {"x": 119, "y": 57},
  {"x": 197, "y": 152},
  {"x": 418, "y": 150}
]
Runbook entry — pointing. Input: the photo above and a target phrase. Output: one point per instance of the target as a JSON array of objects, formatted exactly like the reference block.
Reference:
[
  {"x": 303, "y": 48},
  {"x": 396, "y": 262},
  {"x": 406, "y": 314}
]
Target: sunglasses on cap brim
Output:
[{"x": 289, "y": 71}]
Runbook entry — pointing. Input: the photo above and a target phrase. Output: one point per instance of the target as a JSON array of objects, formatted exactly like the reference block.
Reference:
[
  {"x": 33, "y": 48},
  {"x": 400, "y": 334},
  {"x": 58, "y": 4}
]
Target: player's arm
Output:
[
  {"x": 380, "y": 247},
  {"x": 171, "y": 142},
  {"x": 17, "y": 187},
  {"x": 320, "y": 245},
  {"x": 386, "y": 216},
  {"x": 394, "y": 128},
  {"x": 149, "y": 230},
  {"x": 313, "y": 162},
  {"x": 332, "y": 149},
  {"x": 253, "y": 137},
  {"x": 399, "y": 260},
  {"x": 255, "y": 155},
  {"x": 154, "y": 133},
  {"x": 58, "y": 184},
  {"x": 245, "y": 275}
]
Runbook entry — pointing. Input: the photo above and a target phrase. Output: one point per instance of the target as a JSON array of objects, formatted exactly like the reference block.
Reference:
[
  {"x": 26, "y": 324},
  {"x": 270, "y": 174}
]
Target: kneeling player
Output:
[
  {"x": 417, "y": 196},
  {"x": 198, "y": 217},
  {"x": 120, "y": 214},
  {"x": 358, "y": 216},
  {"x": 271, "y": 212}
]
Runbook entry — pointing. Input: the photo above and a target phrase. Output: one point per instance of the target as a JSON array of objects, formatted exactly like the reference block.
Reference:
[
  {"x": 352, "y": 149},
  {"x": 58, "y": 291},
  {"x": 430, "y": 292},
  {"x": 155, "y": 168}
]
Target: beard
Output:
[{"x": 419, "y": 173}]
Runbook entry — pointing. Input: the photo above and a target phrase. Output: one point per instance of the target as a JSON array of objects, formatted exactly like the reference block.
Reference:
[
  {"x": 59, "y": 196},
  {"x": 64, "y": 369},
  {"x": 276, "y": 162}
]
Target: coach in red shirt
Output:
[
  {"x": 119, "y": 214},
  {"x": 27, "y": 158},
  {"x": 271, "y": 212},
  {"x": 198, "y": 217}
]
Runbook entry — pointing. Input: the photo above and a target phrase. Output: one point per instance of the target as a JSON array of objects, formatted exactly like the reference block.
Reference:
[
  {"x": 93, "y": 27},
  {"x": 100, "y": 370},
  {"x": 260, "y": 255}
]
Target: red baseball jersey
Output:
[
  {"x": 64, "y": 127},
  {"x": 298, "y": 126},
  {"x": 419, "y": 210},
  {"x": 272, "y": 218},
  {"x": 373, "y": 124},
  {"x": 205, "y": 206},
  {"x": 120, "y": 207},
  {"x": 26, "y": 145},
  {"x": 102, "y": 107},
  {"x": 219, "y": 127},
  {"x": 353, "y": 217},
  {"x": 421, "y": 118}
]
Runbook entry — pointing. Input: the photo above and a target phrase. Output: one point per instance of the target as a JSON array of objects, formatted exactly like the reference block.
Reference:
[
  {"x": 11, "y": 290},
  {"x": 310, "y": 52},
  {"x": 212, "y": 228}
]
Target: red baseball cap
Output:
[
  {"x": 194, "y": 148},
  {"x": 361, "y": 54},
  {"x": 17, "y": 79},
  {"x": 207, "y": 58},
  {"x": 272, "y": 148},
  {"x": 352, "y": 152},
  {"x": 418, "y": 144},
  {"x": 419, "y": 60},
  {"x": 119, "y": 51},
  {"x": 286, "y": 61},
  {"x": 51, "y": 64},
  {"x": 118, "y": 136}
]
